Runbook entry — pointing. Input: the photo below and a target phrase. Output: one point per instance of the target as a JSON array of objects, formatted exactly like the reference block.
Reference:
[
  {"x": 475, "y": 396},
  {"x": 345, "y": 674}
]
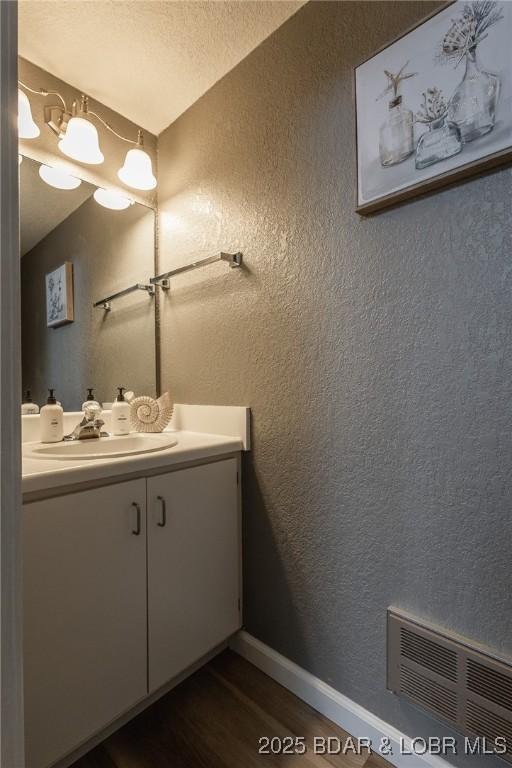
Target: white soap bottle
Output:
[
  {"x": 28, "y": 406},
  {"x": 120, "y": 420},
  {"x": 52, "y": 421}
]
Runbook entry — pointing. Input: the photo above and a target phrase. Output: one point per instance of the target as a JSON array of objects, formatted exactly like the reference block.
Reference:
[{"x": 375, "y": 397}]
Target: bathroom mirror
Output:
[{"x": 74, "y": 253}]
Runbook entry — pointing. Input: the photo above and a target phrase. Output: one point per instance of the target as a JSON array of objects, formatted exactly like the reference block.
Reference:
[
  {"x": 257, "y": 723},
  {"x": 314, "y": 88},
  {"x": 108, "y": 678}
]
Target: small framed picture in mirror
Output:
[{"x": 59, "y": 296}]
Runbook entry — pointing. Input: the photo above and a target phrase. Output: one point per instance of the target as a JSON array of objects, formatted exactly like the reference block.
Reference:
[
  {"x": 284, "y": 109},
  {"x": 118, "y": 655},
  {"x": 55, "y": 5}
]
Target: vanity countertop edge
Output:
[{"x": 47, "y": 475}]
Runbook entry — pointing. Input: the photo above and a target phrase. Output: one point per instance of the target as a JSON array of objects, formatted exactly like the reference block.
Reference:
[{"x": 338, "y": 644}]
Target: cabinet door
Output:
[
  {"x": 84, "y": 615},
  {"x": 193, "y": 565}
]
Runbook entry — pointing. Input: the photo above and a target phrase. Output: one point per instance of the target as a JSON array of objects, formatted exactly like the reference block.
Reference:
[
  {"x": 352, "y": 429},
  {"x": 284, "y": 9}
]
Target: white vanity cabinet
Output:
[
  {"x": 125, "y": 587},
  {"x": 193, "y": 565},
  {"x": 84, "y": 558}
]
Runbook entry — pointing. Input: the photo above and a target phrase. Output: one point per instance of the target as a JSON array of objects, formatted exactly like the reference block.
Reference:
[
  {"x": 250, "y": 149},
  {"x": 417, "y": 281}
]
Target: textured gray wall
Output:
[
  {"x": 110, "y": 250},
  {"x": 374, "y": 353}
]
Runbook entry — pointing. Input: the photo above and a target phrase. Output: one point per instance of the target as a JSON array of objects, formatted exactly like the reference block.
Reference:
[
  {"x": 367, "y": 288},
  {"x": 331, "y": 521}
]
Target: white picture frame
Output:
[
  {"x": 59, "y": 296},
  {"x": 432, "y": 62}
]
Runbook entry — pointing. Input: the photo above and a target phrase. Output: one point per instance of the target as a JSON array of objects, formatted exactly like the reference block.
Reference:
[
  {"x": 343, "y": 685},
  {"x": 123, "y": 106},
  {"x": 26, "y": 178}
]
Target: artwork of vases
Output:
[
  {"x": 471, "y": 112},
  {"x": 449, "y": 105}
]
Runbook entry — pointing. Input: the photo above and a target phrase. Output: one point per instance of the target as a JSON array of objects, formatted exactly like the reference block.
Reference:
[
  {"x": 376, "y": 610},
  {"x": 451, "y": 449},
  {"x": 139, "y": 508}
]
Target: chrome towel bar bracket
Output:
[
  {"x": 233, "y": 259},
  {"x": 106, "y": 303}
]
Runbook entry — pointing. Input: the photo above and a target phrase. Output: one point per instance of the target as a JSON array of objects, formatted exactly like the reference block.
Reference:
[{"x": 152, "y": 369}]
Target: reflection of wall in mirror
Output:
[{"x": 110, "y": 250}]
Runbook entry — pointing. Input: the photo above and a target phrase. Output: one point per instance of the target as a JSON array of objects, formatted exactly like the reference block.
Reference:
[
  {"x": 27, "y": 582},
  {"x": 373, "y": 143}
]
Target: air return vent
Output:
[
  {"x": 451, "y": 677},
  {"x": 428, "y": 654},
  {"x": 489, "y": 683},
  {"x": 482, "y": 722},
  {"x": 429, "y": 693}
]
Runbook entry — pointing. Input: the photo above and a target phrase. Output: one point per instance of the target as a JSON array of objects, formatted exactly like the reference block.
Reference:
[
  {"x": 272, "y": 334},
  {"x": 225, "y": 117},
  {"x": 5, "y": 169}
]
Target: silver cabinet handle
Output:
[
  {"x": 163, "y": 521},
  {"x": 138, "y": 526}
]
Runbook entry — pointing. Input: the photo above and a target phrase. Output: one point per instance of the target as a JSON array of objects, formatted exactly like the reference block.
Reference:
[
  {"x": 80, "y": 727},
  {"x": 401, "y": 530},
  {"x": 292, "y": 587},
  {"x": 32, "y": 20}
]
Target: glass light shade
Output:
[
  {"x": 112, "y": 200},
  {"x": 137, "y": 171},
  {"x": 27, "y": 129},
  {"x": 57, "y": 178},
  {"x": 81, "y": 142}
]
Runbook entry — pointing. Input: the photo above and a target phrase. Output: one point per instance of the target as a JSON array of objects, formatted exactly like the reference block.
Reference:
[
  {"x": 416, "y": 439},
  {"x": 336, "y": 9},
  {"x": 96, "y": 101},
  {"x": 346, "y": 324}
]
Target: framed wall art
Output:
[
  {"x": 435, "y": 106},
  {"x": 59, "y": 296}
]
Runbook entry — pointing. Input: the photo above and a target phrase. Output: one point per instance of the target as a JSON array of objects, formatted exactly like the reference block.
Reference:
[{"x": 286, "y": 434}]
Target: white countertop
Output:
[{"x": 45, "y": 474}]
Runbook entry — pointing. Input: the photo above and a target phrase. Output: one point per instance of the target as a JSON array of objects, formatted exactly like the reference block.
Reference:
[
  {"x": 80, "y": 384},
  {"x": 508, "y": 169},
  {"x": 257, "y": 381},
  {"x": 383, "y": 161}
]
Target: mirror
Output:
[{"x": 75, "y": 252}]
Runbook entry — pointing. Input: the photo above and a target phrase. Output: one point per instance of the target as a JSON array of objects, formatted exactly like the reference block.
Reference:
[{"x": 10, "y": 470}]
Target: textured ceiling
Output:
[
  {"x": 42, "y": 208},
  {"x": 147, "y": 59}
]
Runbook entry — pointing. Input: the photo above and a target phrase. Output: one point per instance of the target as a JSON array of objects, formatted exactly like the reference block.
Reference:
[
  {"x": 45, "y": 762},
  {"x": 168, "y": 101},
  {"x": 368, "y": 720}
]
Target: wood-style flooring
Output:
[{"x": 215, "y": 719}]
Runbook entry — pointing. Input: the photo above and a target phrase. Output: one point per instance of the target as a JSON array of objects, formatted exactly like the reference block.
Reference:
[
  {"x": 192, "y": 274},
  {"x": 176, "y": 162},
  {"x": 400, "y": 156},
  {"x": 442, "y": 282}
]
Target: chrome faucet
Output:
[{"x": 89, "y": 427}]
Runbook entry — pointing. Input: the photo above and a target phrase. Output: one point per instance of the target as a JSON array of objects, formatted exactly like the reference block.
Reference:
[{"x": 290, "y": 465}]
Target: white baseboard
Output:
[{"x": 357, "y": 721}]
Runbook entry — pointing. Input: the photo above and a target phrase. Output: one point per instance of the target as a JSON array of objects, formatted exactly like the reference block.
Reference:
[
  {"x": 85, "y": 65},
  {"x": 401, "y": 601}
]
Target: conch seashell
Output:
[{"x": 150, "y": 415}]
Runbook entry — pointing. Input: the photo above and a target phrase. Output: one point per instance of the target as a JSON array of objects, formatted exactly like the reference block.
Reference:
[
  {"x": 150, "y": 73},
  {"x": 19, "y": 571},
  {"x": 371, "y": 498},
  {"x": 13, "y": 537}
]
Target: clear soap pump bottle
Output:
[
  {"x": 120, "y": 414},
  {"x": 52, "y": 420},
  {"x": 90, "y": 401}
]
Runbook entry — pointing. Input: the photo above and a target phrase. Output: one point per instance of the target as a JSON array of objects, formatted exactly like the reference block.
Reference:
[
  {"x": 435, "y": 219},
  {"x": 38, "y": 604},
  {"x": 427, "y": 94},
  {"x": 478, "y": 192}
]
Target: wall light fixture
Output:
[{"x": 79, "y": 139}]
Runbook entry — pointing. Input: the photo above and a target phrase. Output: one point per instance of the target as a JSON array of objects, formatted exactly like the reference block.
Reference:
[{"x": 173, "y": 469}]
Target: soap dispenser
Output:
[
  {"x": 91, "y": 402},
  {"x": 28, "y": 406},
  {"x": 120, "y": 414},
  {"x": 52, "y": 420}
]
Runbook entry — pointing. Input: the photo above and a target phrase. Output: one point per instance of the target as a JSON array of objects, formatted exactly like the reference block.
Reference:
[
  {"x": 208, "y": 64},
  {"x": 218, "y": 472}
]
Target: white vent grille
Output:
[
  {"x": 429, "y": 654},
  {"x": 482, "y": 722},
  {"x": 429, "y": 693},
  {"x": 452, "y": 678},
  {"x": 490, "y": 684}
]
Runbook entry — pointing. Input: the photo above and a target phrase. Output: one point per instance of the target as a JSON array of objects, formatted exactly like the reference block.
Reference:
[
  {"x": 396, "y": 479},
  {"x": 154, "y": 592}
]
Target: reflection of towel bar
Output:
[
  {"x": 233, "y": 259},
  {"x": 106, "y": 303}
]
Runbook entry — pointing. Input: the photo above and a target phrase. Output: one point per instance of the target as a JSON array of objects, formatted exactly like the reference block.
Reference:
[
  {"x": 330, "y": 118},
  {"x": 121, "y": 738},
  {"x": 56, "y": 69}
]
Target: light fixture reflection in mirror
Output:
[
  {"x": 27, "y": 129},
  {"x": 111, "y": 200},
  {"x": 58, "y": 178},
  {"x": 81, "y": 142}
]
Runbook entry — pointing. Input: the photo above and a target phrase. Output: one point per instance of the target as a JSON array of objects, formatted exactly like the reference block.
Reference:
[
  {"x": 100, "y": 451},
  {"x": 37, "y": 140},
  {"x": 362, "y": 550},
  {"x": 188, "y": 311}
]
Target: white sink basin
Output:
[{"x": 101, "y": 448}]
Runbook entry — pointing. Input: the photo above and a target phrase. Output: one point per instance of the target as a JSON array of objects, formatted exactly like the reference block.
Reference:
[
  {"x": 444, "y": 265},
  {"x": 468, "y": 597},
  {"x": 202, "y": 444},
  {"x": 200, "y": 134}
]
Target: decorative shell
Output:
[{"x": 150, "y": 415}]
